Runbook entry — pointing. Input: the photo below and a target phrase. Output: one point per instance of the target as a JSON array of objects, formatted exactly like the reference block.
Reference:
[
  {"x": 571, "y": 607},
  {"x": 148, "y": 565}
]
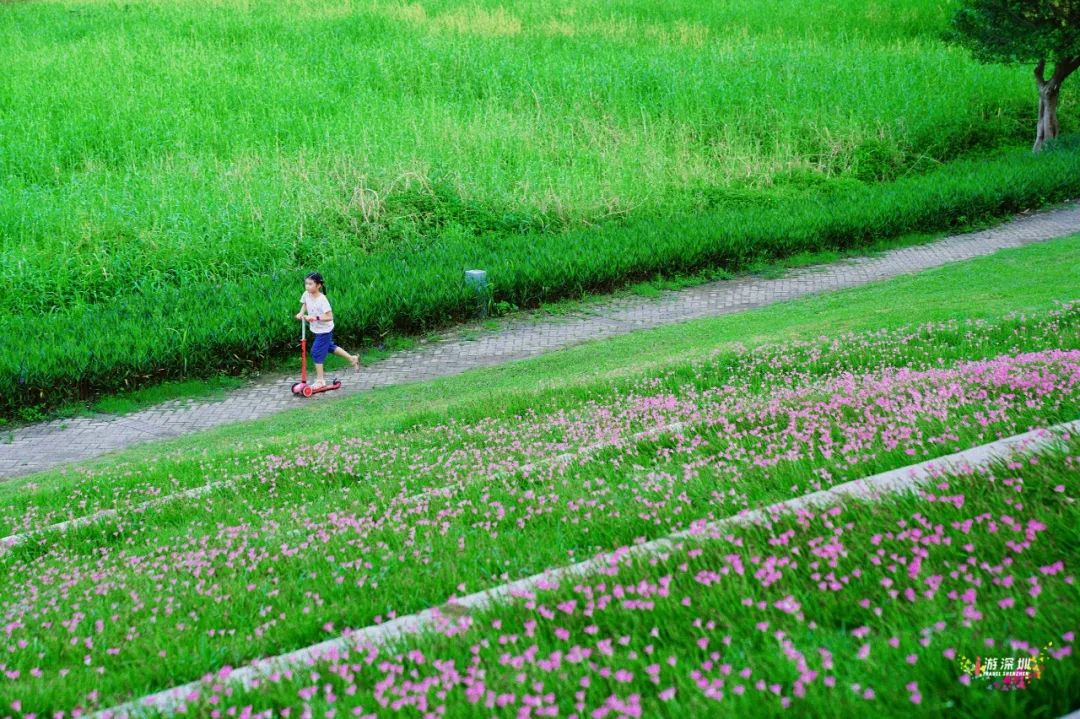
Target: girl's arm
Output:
[{"x": 303, "y": 308}]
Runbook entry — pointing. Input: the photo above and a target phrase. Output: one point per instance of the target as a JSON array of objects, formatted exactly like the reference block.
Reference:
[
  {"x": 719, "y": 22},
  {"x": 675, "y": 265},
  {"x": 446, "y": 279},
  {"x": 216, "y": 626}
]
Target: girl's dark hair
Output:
[{"x": 317, "y": 278}]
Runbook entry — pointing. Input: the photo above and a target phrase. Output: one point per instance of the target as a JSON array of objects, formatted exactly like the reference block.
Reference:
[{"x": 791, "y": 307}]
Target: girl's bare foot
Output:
[
  {"x": 319, "y": 383},
  {"x": 355, "y": 360}
]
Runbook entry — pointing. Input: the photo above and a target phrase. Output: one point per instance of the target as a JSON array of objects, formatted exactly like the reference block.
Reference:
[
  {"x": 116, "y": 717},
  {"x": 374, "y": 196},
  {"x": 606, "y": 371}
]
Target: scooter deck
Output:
[
  {"x": 307, "y": 390},
  {"x": 336, "y": 384}
]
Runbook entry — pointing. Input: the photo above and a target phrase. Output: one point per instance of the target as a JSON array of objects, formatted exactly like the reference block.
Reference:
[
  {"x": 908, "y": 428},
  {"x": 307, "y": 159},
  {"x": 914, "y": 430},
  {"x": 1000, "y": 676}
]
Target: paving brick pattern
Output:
[{"x": 37, "y": 447}]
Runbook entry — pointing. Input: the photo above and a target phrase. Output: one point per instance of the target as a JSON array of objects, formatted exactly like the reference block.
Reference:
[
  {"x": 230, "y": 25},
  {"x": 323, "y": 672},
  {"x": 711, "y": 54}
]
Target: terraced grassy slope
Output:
[{"x": 886, "y": 607}]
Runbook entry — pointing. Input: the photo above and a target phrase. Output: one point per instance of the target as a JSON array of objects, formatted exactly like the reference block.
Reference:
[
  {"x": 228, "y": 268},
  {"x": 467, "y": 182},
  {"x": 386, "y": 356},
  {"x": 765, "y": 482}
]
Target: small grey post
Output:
[{"x": 477, "y": 279}]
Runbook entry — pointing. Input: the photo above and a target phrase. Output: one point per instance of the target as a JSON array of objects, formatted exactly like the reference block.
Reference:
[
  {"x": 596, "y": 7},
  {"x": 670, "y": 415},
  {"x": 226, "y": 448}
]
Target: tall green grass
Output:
[
  {"x": 157, "y": 143},
  {"x": 165, "y": 161}
]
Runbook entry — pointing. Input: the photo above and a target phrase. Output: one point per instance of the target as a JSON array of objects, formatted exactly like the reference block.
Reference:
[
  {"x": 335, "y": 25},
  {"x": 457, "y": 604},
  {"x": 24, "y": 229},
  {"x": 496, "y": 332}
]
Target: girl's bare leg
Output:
[
  {"x": 354, "y": 360},
  {"x": 320, "y": 378}
]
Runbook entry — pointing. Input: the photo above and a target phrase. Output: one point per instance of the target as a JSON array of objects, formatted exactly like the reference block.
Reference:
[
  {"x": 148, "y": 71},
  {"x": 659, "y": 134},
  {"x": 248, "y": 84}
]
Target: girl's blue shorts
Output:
[{"x": 322, "y": 346}]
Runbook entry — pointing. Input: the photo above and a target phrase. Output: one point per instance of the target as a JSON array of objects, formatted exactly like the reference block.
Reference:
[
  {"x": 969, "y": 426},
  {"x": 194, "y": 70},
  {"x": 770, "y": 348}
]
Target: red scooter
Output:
[{"x": 302, "y": 387}]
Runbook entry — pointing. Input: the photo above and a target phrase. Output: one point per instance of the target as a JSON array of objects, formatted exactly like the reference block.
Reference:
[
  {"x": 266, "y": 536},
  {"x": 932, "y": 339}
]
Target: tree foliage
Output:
[{"x": 1019, "y": 31}]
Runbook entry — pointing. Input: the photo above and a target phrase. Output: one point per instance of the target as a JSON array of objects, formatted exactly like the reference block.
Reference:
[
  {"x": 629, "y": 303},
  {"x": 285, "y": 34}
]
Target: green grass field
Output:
[
  {"x": 278, "y": 134},
  {"x": 171, "y": 169},
  {"x": 397, "y": 500}
]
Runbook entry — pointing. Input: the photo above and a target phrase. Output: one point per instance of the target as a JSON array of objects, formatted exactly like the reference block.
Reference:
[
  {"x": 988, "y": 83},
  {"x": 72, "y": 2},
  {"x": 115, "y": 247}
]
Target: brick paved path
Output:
[{"x": 37, "y": 447}]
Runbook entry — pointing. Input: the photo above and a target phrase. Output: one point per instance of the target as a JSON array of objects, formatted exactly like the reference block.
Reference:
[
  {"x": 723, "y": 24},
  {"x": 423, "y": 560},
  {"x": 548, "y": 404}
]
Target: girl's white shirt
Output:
[{"x": 317, "y": 305}]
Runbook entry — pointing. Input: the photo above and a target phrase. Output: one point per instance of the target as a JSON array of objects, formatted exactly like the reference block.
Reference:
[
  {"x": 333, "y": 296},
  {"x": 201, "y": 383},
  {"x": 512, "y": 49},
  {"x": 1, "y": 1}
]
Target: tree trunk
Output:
[{"x": 1048, "y": 128}]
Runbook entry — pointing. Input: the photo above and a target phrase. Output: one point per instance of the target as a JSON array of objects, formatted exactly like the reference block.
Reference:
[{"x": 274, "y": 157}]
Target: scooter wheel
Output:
[
  {"x": 308, "y": 390},
  {"x": 296, "y": 387}
]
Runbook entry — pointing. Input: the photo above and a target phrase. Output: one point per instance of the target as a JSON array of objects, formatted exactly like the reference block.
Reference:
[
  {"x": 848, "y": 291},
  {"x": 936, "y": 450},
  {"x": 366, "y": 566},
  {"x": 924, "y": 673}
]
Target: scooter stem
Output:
[{"x": 303, "y": 351}]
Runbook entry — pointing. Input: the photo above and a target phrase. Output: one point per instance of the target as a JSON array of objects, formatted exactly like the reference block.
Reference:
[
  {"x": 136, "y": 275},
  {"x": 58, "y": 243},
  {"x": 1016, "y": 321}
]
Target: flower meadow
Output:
[
  {"x": 827, "y": 610},
  {"x": 838, "y": 612}
]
